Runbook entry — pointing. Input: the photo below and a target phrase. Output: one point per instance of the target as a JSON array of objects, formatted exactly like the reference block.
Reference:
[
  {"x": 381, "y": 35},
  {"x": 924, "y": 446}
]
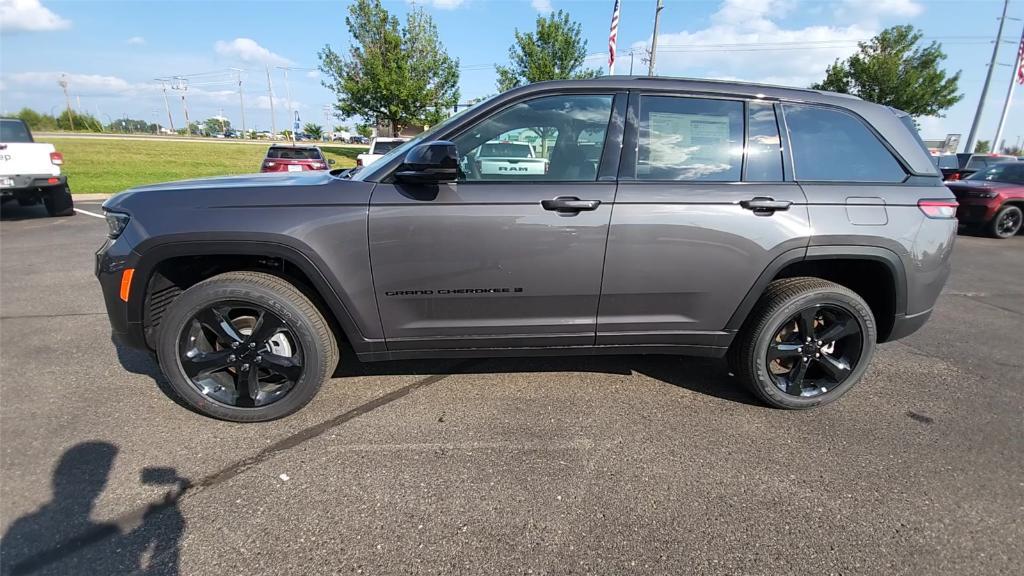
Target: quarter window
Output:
[
  {"x": 833, "y": 146},
  {"x": 689, "y": 139},
  {"x": 554, "y": 138},
  {"x": 764, "y": 148}
]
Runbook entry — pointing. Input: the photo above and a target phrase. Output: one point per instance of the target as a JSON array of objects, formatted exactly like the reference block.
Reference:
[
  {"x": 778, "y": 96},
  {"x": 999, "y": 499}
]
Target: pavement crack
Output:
[{"x": 171, "y": 498}]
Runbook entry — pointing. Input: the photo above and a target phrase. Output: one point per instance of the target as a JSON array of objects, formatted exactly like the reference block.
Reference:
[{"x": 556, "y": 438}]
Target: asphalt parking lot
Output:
[{"x": 617, "y": 465}]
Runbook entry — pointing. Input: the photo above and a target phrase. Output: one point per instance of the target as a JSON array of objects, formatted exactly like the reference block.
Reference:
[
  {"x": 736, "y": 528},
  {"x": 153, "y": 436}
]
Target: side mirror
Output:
[
  {"x": 330, "y": 160},
  {"x": 430, "y": 163}
]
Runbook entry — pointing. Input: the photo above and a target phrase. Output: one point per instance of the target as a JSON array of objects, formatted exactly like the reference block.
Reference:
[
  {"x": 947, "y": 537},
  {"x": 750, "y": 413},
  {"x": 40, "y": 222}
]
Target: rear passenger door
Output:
[{"x": 703, "y": 206}]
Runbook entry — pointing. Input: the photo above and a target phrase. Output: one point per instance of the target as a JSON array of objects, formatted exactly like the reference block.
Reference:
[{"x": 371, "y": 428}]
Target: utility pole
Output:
[
  {"x": 988, "y": 80},
  {"x": 631, "y": 62},
  {"x": 288, "y": 95},
  {"x": 654, "y": 39},
  {"x": 1009, "y": 91},
  {"x": 167, "y": 104},
  {"x": 241, "y": 98},
  {"x": 182, "y": 84},
  {"x": 270, "y": 93},
  {"x": 67, "y": 99}
]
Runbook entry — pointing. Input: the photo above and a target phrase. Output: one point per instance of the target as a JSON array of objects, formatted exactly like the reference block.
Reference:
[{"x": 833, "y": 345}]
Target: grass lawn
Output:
[{"x": 95, "y": 165}]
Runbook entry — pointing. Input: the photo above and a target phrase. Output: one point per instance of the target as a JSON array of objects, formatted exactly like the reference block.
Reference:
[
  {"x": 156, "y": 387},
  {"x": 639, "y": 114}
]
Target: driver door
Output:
[{"x": 511, "y": 255}]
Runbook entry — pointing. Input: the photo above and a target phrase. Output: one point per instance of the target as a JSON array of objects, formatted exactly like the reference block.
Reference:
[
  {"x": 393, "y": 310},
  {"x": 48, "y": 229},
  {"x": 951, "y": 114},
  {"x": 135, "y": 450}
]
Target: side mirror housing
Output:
[
  {"x": 430, "y": 163},
  {"x": 330, "y": 160}
]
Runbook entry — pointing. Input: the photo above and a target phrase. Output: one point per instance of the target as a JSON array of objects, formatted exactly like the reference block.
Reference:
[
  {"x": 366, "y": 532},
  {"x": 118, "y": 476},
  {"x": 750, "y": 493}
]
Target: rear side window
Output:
[
  {"x": 385, "y": 147},
  {"x": 833, "y": 146},
  {"x": 285, "y": 153},
  {"x": 14, "y": 131},
  {"x": 690, "y": 139},
  {"x": 977, "y": 163},
  {"x": 764, "y": 148}
]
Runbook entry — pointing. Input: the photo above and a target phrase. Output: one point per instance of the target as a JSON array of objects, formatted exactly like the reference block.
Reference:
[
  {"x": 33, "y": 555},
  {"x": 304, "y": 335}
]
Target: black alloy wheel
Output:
[
  {"x": 814, "y": 351},
  {"x": 1007, "y": 222},
  {"x": 240, "y": 354}
]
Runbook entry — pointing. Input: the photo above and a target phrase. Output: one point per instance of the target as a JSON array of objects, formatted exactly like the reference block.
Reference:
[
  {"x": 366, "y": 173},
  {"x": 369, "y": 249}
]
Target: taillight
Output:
[
  {"x": 56, "y": 158},
  {"x": 359, "y": 161},
  {"x": 938, "y": 208},
  {"x": 318, "y": 165},
  {"x": 268, "y": 164},
  {"x": 954, "y": 176}
]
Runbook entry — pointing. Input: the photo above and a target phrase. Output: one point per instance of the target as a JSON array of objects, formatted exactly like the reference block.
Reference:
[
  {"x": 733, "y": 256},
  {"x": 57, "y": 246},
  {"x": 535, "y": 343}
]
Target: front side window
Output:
[
  {"x": 833, "y": 146},
  {"x": 553, "y": 138},
  {"x": 764, "y": 147},
  {"x": 689, "y": 139}
]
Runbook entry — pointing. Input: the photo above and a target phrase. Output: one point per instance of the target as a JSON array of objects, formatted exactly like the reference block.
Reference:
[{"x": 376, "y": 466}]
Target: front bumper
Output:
[{"x": 112, "y": 259}]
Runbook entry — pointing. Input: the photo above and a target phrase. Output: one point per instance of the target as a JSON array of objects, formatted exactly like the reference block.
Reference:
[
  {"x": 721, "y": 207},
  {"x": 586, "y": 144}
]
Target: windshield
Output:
[
  {"x": 14, "y": 131},
  {"x": 947, "y": 161},
  {"x": 1011, "y": 172},
  {"x": 358, "y": 174}
]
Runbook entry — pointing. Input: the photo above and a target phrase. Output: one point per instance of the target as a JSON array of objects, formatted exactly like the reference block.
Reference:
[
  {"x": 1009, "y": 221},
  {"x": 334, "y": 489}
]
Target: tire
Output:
[
  {"x": 303, "y": 324},
  {"x": 1006, "y": 223},
  {"x": 58, "y": 202},
  {"x": 783, "y": 301}
]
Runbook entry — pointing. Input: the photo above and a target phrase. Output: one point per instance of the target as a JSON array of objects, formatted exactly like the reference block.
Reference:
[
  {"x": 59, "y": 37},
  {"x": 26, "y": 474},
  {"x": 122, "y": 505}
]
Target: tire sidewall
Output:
[
  {"x": 202, "y": 295},
  {"x": 857, "y": 309},
  {"x": 1000, "y": 215}
]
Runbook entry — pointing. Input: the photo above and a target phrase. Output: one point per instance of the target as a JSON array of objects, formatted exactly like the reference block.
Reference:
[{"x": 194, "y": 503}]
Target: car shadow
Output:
[
  {"x": 13, "y": 212},
  {"x": 706, "y": 376},
  {"x": 61, "y": 536}
]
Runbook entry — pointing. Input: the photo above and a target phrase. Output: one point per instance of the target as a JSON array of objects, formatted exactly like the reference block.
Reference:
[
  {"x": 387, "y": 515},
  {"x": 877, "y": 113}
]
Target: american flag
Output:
[
  {"x": 613, "y": 35},
  {"x": 1020, "y": 59}
]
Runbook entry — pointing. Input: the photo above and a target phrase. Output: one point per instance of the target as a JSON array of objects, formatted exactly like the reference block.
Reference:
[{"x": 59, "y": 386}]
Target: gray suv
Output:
[{"x": 787, "y": 230}]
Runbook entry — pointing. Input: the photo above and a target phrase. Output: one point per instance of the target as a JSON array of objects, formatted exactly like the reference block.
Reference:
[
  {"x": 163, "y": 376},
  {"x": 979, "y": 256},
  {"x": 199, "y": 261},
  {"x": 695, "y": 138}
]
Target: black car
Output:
[{"x": 960, "y": 166}]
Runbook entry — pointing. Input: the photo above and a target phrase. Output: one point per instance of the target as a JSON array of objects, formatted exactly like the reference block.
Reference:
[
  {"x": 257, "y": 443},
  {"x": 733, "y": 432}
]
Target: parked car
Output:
[
  {"x": 293, "y": 158},
  {"x": 30, "y": 170},
  {"x": 701, "y": 231},
  {"x": 378, "y": 148},
  {"x": 992, "y": 199},
  {"x": 506, "y": 160},
  {"x": 960, "y": 166}
]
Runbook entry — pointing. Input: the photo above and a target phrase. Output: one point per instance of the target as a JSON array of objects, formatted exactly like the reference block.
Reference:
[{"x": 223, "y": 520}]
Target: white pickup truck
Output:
[
  {"x": 30, "y": 170},
  {"x": 378, "y": 148}
]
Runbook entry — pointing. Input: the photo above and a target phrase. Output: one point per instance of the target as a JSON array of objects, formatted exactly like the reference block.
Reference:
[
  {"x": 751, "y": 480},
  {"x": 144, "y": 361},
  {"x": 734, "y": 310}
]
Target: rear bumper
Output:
[{"x": 32, "y": 182}]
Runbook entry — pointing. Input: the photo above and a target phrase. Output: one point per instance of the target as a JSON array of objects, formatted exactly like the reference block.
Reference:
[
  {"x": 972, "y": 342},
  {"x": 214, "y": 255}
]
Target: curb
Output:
[{"x": 90, "y": 196}]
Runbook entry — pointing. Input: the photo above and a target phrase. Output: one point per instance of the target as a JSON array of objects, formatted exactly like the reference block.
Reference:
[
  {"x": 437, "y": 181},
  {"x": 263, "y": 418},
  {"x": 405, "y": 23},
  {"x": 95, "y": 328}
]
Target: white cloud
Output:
[
  {"x": 249, "y": 51},
  {"x": 543, "y": 6},
  {"x": 136, "y": 40},
  {"x": 313, "y": 74},
  {"x": 872, "y": 10},
  {"x": 77, "y": 83},
  {"x": 440, "y": 4},
  {"x": 720, "y": 51},
  {"x": 29, "y": 16}
]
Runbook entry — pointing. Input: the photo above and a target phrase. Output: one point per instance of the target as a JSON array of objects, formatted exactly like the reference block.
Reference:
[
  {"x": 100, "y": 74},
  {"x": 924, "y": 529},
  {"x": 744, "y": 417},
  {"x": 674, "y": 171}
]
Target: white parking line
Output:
[{"x": 87, "y": 213}]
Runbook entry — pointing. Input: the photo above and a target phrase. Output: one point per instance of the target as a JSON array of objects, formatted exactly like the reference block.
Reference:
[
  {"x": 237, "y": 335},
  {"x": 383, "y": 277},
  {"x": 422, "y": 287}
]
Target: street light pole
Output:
[{"x": 988, "y": 80}]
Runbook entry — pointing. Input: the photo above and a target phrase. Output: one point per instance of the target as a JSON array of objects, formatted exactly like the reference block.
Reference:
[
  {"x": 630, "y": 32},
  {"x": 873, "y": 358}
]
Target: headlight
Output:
[{"x": 117, "y": 222}]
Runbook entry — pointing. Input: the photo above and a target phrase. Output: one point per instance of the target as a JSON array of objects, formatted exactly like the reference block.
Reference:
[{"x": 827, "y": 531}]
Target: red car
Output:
[
  {"x": 992, "y": 199},
  {"x": 289, "y": 158}
]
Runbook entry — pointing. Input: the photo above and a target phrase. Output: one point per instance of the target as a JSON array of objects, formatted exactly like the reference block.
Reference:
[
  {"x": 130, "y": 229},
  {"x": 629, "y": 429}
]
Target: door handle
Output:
[
  {"x": 569, "y": 204},
  {"x": 764, "y": 206}
]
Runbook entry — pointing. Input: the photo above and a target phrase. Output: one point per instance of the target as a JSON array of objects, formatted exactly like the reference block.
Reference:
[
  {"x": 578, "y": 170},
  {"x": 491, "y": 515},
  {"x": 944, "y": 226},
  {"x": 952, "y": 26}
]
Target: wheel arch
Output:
[
  {"x": 166, "y": 269},
  {"x": 876, "y": 274}
]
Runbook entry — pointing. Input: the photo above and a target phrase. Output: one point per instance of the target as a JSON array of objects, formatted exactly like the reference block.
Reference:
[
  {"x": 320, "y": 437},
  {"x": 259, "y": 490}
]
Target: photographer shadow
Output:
[{"x": 62, "y": 538}]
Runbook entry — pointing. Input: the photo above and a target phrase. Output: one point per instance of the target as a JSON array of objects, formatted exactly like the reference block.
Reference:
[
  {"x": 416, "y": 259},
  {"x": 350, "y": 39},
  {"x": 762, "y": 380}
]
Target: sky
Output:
[{"x": 112, "y": 52}]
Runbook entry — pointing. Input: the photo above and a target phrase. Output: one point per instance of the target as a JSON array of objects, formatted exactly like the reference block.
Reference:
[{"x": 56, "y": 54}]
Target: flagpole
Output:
[
  {"x": 1014, "y": 79},
  {"x": 613, "y": 39}
]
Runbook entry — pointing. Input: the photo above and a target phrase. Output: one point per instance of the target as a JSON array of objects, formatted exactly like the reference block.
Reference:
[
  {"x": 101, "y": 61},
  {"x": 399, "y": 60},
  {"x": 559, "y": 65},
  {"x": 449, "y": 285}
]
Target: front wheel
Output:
[
  {"x": 807, "y": 342},
  {"x": 1006, "y": 223},
  {"x": 245, "y": 347}
]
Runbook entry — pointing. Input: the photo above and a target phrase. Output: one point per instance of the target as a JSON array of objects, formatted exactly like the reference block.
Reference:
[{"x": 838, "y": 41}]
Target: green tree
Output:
[
  {"x": 286, "y": 134},
  {"x": 342, "y": 128},
  {"x": 80, "y": 122},
  {"x": 555, "y": 51},
  {"x": 392, "y": 75},
  {"x": 892, "y": 69},
  {"x": 35, "y": 120},
  {"x": 216, "y": 125},
  {"x": 982, "y": 147},
  {"x": 315, "y": 131},
  {"x": 1013, "y": 150},
  {"x": 364, "y": 130}
]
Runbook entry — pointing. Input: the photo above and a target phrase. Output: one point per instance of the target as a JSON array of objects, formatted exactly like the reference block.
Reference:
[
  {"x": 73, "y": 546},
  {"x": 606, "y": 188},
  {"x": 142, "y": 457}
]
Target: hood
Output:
[{"x": 308, "y": 178}]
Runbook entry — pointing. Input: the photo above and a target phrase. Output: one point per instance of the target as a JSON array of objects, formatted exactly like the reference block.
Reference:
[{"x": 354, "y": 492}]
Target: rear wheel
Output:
[
  {"x": 245, "y": 347},
  {"x": 58, "y": 201},
  {"x": 807, "y": 342},
  {"x": 1006, "y": 223}
]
